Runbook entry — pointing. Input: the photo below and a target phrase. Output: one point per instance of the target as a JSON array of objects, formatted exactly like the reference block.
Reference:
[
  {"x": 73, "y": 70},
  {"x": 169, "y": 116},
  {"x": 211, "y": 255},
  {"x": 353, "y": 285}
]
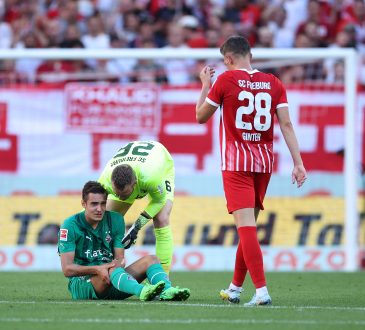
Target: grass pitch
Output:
[{"x": 300, "y": 301}]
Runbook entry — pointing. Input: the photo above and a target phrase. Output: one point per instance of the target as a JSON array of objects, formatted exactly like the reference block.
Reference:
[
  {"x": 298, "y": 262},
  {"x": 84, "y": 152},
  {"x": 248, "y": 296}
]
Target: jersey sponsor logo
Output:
[
  {"x": 254, "y": 84},
  {"x": 89, "y": 238},
  {"x": 63, "y": 234},
  {"x": 99, "y": 254}
]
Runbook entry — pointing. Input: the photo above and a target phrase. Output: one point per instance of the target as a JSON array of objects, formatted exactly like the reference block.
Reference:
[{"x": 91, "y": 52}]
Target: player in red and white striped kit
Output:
[{"x": 248, "y": 100}]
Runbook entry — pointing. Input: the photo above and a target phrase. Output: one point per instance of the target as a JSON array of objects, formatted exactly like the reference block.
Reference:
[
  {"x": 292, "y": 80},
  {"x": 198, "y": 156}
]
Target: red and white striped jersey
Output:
[{"x": 248, "y": 101}]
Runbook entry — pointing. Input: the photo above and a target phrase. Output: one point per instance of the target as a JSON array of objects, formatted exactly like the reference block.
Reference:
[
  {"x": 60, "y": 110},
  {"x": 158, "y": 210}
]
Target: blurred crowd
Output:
[{"x": 173, "y": 24}]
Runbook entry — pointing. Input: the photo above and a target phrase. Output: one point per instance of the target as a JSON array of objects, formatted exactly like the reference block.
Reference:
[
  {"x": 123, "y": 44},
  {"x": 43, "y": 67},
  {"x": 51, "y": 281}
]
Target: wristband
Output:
[{"x": 140, "y": 222}]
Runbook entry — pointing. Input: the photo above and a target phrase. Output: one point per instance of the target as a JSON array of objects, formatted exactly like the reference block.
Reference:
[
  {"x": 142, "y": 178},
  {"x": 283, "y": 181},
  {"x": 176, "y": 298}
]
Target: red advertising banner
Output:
[
  {"x": 3, "y": 117},
  {"x": 8, "y": 143},
  {"x": 86, "y": 123},
  {"x": 323, "y": 117},
  {"x": 110, "y": 108}
]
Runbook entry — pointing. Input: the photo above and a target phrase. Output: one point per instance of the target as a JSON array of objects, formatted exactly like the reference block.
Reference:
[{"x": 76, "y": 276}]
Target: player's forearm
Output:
[
  {"x": 155, "y": 206},
  {"x": 142, "y": 220},
  {"x": 79, "y": 270},
  {"x": 201, "y": 115},
  {"x": 203, "y": 94},
  {"x": 292, "y": 142}
]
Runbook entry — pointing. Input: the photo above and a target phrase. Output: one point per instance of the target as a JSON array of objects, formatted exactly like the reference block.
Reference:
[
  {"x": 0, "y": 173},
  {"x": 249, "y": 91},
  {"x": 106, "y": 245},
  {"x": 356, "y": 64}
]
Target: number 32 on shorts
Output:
[{"x": 261, "y": 102}]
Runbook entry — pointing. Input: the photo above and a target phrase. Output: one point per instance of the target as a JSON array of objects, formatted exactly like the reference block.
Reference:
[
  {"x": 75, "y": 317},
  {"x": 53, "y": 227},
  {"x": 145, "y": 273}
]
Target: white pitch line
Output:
[
  {"x": 180, "y": 304},
  {"x": 179, "y": 321}
]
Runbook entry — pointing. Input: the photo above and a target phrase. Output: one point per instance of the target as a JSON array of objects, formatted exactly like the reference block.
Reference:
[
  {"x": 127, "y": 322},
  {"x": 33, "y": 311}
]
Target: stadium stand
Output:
[{"x": 172, "y": 23}]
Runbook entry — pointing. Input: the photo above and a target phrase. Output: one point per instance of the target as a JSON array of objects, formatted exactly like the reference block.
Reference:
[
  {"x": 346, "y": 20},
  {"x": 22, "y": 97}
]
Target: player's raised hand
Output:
[
  {"x": 299, "y": 175},
  {"x": 206, "y": 74}
]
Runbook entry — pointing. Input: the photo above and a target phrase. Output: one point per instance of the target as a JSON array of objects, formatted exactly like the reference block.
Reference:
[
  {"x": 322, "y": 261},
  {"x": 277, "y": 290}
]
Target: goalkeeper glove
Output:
[{"x": 131, "y": 236}]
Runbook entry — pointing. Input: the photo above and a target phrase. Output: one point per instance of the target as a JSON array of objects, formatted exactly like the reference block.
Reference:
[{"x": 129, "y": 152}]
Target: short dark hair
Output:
[
  {"x": 237, "y": 45},
  {"x": 122, "y": 175},
  {"x": 93, "y": 187}
]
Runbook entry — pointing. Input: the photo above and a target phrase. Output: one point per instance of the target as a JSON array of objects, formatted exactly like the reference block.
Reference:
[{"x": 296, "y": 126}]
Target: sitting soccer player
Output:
[{"x": 92, "y": 256}]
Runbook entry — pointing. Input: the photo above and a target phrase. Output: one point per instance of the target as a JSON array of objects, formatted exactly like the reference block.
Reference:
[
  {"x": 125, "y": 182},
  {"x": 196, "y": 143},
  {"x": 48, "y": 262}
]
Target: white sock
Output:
[
  {"x": 235, "y": 288},
  {"x": 261, "y": 291}
]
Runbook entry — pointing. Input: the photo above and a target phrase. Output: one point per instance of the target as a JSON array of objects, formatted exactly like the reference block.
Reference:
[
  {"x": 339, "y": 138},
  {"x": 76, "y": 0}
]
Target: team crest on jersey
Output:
[
  {"x": 63, "y": 234},
  {"x": 108, "y": 238}
]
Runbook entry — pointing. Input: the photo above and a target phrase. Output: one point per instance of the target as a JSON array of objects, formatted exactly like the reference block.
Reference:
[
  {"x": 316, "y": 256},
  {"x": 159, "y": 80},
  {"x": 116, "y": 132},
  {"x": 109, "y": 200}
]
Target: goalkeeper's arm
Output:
[
  {"x": 142, "y": 220},
  {"x": 131, "y": 236}
]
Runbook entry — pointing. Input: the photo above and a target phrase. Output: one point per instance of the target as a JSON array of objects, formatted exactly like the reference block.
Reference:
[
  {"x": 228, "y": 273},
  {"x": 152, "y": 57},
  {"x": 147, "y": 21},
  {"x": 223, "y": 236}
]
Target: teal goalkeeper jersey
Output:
[
  {"x": 91, "y": 246},
  {"x": 154, "y": 170}
]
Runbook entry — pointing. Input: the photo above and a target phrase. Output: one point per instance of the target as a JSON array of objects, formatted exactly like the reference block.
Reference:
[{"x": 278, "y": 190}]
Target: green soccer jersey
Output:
[
  {"x": 91, "y": 246},
  {"x": 154, "y": 170}
]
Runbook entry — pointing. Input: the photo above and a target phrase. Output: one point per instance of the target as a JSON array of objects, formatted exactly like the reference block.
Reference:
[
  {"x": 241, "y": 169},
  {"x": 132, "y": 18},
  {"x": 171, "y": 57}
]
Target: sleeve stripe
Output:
[
  {"x": 282, "y": 105},
  {"x": 212, "y": 102}
]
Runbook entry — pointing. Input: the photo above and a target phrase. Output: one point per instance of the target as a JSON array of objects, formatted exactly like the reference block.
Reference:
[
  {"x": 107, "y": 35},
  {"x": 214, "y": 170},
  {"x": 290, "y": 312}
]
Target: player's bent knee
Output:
[
  {"x": 161, "y": 221},
  {"x": 105, "y": 282},
  {"x": 151, "y": 259}
]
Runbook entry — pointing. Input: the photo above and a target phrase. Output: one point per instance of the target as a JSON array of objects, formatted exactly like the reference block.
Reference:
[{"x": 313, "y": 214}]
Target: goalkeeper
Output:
[{"x": 139, "y": 169}]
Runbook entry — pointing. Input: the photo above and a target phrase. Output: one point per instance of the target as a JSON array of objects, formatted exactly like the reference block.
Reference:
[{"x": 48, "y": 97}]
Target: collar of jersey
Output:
[
  {"x": 86, "y": 224},
  {"x": 250, "y": 72}
]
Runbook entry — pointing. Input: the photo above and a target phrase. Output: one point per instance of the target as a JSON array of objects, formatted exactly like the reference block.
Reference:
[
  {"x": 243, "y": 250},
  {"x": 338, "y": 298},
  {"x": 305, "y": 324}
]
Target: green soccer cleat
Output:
[
  {"x": 175, "y": 294},
  {"x": 149, "y": 291},
  {"x": 264, "y": 300},
  {"x": 232, "y": 296}
]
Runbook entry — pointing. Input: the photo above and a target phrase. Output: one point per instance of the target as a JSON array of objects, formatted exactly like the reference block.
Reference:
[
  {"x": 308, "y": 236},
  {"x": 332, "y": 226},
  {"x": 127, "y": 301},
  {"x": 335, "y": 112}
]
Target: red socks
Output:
[
  {"x": 252, "y": 256},
  {"x": 240, "y": 268}
]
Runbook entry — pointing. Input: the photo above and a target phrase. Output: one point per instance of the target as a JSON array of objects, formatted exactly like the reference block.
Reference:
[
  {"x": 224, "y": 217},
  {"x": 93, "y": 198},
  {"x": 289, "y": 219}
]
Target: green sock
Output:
[
  {"x": 164, "y": 246},
  {"x": 155, "y": 274},
  {"x": 125, "y": 282}
]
